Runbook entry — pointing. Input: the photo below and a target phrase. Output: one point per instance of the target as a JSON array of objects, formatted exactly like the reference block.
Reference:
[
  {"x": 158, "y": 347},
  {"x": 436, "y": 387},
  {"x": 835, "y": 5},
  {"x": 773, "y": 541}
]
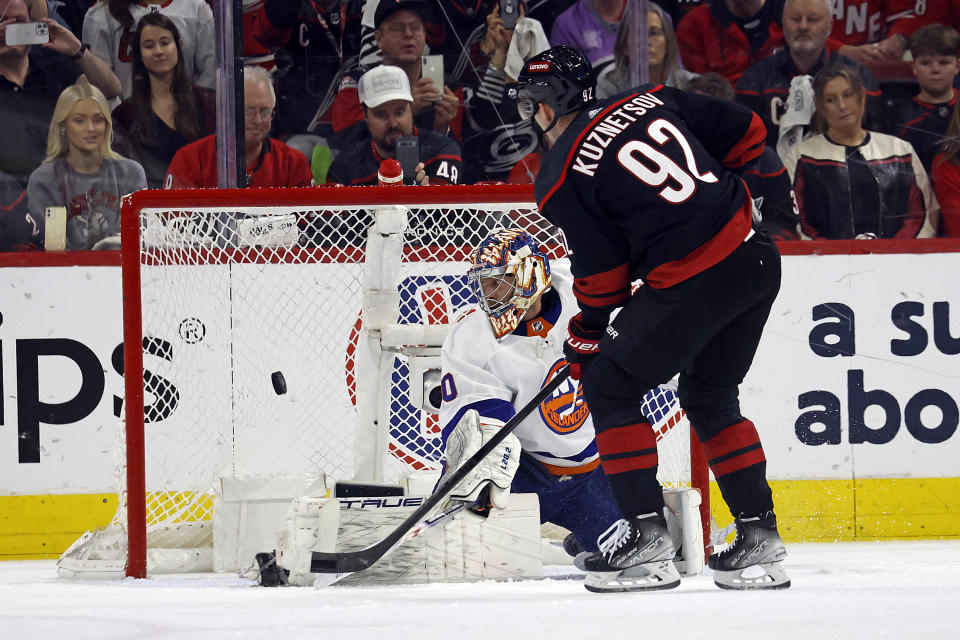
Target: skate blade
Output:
[
  {"x": 770, "y": 575},
  {"x": 652, "y": 576}
]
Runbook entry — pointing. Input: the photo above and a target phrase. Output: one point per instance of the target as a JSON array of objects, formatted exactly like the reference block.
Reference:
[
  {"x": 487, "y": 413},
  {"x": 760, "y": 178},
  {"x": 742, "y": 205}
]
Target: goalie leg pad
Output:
[
  {"x": 503, "y": 545},
  {"x": 312, "y": 525}
]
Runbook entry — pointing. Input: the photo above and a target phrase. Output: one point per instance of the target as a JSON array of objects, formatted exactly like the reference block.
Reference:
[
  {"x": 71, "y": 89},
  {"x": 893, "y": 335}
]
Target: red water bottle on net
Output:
[{"x": 390, "y": 173}]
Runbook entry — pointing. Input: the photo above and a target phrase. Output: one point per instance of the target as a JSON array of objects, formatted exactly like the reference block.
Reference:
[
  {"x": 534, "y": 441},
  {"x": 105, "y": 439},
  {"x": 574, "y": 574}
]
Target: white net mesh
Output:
[{"x": 230, "y": 297}]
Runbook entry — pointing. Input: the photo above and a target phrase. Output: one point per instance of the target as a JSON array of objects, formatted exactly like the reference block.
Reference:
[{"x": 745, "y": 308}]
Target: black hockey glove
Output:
[{"x": 581, "y": 347}]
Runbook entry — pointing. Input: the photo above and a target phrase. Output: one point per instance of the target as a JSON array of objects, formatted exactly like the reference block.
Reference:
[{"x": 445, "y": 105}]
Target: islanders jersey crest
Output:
[{"x": 565, "y": 410}]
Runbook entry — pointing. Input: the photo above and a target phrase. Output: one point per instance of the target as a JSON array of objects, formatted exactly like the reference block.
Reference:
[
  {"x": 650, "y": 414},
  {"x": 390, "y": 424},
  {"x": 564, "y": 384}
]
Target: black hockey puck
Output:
[{"x": 279, "y": 383}]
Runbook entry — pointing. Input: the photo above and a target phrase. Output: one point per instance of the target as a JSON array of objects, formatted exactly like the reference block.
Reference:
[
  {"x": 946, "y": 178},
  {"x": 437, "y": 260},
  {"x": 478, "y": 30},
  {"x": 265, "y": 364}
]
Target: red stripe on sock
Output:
[
  {"x": 736, "y": 436},
  {"x": 737, "y": 462},
  {"x": 622, "y": 465},
  {"x": 625, "y": 439}
]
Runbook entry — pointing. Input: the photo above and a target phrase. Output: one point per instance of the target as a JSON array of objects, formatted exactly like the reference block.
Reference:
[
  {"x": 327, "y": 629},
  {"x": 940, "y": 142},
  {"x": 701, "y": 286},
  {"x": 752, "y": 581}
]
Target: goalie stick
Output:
[{"x": 352, "y": 561}]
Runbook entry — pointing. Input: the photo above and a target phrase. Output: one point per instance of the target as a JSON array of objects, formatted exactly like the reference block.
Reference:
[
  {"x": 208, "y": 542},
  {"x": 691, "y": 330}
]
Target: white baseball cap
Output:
[{"x": 382, "y": 84}]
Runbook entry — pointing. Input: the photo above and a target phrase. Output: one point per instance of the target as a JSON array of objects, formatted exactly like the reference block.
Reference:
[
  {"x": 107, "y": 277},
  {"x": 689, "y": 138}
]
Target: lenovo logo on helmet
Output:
[{"x": 537, "y": 67}]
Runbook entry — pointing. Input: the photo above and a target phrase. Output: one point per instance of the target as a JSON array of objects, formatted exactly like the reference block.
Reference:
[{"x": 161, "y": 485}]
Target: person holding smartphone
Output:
[
  {"x": 401, "y": 35},
  {"x": 82, "y": 172},
  {"x": 387, "y": 104},
  {"x": 31, "y": 79}
]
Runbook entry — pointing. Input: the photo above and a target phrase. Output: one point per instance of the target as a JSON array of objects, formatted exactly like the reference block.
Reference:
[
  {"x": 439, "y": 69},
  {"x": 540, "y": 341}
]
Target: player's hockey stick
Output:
[{"x": 351, "y": 561}]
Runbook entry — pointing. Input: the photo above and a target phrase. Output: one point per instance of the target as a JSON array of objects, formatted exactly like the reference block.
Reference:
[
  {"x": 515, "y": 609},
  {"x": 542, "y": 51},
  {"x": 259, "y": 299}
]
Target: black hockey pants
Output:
[{"x": 707, "y": 328}]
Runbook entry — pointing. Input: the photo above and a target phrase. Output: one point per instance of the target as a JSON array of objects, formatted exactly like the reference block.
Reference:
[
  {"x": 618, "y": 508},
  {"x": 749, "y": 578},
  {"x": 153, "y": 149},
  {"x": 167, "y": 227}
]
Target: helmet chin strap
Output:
[
  {"x": 541, "y": 133},
  {"x": 556, "y": 118}
]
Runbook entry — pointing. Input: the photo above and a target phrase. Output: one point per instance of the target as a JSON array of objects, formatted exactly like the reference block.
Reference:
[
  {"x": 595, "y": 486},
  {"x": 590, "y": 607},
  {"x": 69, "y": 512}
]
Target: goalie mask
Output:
[{"x": 508, "y": 275}]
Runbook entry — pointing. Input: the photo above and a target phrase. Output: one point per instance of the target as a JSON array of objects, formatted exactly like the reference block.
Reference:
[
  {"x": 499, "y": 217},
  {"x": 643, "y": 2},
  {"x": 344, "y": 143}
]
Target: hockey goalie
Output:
[{"x": 546, "y": 471}]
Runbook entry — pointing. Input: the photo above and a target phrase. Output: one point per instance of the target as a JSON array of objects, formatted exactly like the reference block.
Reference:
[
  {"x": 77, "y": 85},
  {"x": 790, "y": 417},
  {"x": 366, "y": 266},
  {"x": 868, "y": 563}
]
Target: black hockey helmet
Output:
[{"x": 562, "y": 77}]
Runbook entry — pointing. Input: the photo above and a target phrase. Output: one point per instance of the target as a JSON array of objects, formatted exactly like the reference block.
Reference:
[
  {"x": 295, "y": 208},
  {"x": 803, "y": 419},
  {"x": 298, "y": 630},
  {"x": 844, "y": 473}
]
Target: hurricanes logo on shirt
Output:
[{"x": 565, "y": 410}]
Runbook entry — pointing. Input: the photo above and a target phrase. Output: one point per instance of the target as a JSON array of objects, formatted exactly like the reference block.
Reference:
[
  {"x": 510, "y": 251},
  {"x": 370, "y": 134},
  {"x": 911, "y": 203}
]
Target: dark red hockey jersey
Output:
[
  {"x": 642, "y": 187},
  {"x": 858, "y": 22}
]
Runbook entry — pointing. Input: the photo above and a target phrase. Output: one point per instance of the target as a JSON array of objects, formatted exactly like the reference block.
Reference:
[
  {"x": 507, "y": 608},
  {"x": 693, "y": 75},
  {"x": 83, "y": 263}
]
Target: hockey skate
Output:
[
  {"x": 755, "y": 559},
  {"x": 635, "y": 555}
]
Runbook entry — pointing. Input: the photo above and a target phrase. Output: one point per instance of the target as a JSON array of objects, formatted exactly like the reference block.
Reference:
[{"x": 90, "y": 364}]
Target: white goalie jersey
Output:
[{"x": 497, "y": 377}]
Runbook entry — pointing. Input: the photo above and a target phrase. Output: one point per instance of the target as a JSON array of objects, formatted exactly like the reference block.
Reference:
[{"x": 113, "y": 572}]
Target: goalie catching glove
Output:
[
  {"x": 495, "y": 472},
  {"x": 581, "y": 347}
]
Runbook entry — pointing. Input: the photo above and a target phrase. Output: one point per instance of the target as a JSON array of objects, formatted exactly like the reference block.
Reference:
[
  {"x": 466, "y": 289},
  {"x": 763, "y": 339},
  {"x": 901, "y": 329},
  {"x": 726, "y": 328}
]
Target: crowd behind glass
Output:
[{"x": 100, "y": 99}]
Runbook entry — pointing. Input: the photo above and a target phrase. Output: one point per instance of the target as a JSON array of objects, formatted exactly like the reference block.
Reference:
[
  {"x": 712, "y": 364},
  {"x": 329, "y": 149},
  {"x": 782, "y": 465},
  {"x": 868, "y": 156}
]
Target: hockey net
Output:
[{"x": 276, "y": 336}]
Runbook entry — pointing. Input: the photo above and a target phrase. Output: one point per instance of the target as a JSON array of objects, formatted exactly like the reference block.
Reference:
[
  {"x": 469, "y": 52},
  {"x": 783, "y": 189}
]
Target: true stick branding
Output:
[
  {"x": 380, "y": 503},
  {"x": 609, "y": 127}
]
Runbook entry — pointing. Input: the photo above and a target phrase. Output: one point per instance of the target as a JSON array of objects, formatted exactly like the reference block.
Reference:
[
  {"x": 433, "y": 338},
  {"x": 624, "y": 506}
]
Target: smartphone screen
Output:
[
  {"x": 408, "y": 155},
  {"x": 432, "y": 68},
  {"x": 509, "y": 13},
  {"x": 27, "y": 33},
  {"x": 55, "y": 228}
]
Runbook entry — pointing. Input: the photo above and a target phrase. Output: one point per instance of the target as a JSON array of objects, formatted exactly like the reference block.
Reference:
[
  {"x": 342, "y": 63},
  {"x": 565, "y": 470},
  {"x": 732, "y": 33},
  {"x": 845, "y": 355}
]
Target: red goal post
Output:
[{"x": 344, "y": 291}]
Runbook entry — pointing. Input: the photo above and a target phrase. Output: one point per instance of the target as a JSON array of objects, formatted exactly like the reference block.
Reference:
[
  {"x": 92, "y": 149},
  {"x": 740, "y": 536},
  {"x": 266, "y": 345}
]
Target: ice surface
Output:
[{"x": 840, "y": 591}]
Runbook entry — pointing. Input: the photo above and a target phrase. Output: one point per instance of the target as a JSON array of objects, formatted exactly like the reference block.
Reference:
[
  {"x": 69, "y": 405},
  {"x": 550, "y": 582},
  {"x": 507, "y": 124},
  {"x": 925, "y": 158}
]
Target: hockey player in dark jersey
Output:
[
  {"x": 644, "y": 186},
  {"x": 766, "y": 177}
]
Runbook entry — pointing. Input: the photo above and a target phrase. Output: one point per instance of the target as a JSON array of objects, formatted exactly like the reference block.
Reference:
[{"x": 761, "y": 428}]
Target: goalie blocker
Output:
[{"x": 504, "y": 545}]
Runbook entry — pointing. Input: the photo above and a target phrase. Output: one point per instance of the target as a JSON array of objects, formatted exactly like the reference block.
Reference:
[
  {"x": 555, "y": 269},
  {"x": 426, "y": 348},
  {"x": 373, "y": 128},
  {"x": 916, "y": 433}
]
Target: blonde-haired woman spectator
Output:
[
  {"x": 663, "y": 58},
  {"x": 82, "y": 172},
  {"x": 854, "y": 183}
]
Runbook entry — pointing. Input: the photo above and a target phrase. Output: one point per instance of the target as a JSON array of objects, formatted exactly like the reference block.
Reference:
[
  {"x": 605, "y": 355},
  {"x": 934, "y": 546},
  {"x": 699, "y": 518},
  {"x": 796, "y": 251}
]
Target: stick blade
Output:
[{"x": 324, "y": 562}]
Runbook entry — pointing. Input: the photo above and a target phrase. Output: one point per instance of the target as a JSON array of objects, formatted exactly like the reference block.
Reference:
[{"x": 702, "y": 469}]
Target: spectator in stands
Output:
[
  {"x": 18, "y": 231},
  {"x": 165, "y": 110},
  {"x": 269, "y": 162},
  {"x": 591, "y": 26},
  {"x": 31, "y": 79},
  {"x": 921, "y": 13},
  {"x": 922, "y": 121},
  {"x": 82, "y": 172},
  {"x": 874, "y": 29},
  {"x": 311, "y": 49},
  {"x": 946, "y": 179},
  {"x": 459, "y": 26},
  {"x": 766, "y": 85},
  {"x": 388, "y": 112},
  {"x": 109, "y": 29},
  {"x": 855, "y": 183},
  {"x": 70, "y": 13},
  {"x": 400, "y": 35},
  {"x": 727, "y": 36},
  {"x": 766, "y": 177},
  {"x": 677, "y": 9},
  {"x": 495, "y": 137},
  {"x": 454, "y": 30},
  {"x": 663, "y": 59}
]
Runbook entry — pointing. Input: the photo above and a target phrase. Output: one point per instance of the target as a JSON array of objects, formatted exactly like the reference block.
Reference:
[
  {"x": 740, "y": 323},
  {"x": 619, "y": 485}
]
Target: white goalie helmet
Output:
[{"x": 508, "y": 275}]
